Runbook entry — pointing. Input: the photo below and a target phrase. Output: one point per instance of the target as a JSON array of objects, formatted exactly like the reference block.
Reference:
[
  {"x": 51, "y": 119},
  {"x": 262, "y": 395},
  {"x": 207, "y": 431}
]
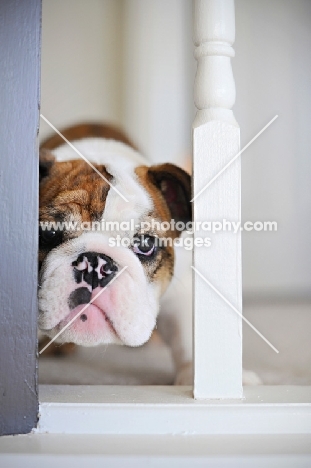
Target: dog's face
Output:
[{"x": 79, "y": 265}]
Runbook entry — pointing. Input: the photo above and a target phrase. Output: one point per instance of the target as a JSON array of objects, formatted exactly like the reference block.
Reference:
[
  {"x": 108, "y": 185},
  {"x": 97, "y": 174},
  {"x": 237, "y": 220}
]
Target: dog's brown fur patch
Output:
[
  {"x": 88, "y": 130},
  {"x": 170, "y": 188},
  {"x": 162, "y": 268},
  {"x": 73, "y": 191},
  {"x": 76, "y": 182}
]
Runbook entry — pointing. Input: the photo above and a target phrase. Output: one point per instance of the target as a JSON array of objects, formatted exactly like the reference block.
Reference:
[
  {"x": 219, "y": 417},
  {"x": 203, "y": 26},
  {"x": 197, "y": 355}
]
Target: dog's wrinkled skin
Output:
[{"x": 75, "y": 265}]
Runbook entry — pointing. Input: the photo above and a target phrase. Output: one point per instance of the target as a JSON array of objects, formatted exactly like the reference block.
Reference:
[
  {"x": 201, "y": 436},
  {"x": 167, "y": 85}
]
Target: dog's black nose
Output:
[{"x": 94, "y": 268}]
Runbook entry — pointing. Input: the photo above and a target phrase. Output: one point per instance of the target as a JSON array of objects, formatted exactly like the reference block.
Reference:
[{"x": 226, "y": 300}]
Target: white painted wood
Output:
[
  {"x": 216, "y": 137},
  {"x": 80, "y": 450},
  {"x": 172, "y": 410},
  {"x": 133, "y": 461}
]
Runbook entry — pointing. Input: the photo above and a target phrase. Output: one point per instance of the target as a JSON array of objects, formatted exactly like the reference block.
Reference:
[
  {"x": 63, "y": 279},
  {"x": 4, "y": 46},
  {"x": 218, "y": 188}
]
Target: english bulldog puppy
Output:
[{"x": 130, "y": 285}]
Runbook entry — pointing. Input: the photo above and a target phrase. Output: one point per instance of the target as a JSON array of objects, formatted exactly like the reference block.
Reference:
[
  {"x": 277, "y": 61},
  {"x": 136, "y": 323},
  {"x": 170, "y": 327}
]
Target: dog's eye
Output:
[
  {"x": 145, "y": 245},
  {"x": 50, "y": 237}
]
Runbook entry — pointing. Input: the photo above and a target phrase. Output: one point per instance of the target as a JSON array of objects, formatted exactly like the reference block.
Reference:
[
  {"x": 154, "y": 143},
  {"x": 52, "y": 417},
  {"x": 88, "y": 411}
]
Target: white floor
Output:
[
  {"x": 50, "y": 451},
  {"x": 286, "y": 325}
]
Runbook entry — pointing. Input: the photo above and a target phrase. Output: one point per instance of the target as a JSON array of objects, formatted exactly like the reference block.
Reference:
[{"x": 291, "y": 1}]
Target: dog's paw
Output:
[
  {"x": 251, "y": 378},
  {"x": 56, "y": 350},
  {"x": 184, "y": 375}
]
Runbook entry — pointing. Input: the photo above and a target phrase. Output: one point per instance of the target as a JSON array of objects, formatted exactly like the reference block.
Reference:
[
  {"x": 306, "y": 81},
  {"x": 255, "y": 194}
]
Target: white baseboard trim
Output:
[{"x": 160, "y": 410}]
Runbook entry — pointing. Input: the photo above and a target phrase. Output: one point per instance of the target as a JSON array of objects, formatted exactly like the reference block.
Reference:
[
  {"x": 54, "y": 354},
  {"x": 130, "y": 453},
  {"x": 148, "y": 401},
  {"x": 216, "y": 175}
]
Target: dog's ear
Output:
[
  {"x": 46, "y": 161},
  {"x": 175, "y": 186}
]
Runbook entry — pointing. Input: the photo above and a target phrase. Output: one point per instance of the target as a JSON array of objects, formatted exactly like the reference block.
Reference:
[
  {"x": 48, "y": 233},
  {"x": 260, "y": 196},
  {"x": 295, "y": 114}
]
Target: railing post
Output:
[
  {"x": 216, "y": 137},
  {"x": 20, "y": 37}
]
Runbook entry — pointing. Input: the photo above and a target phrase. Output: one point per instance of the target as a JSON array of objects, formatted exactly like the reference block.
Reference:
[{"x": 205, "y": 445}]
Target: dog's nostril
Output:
[
  {"x": 105, "y": 270},
  {"x": 82, "y": 265}
]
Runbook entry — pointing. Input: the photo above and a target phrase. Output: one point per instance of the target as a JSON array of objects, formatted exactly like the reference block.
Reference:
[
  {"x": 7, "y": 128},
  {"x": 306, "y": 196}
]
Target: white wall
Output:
[
  {"x": 272, "y": 69},
  {"x": 90, "y": 70},
  {"x": 157, "y": 80},
  {"x": 81, "y": 76}
]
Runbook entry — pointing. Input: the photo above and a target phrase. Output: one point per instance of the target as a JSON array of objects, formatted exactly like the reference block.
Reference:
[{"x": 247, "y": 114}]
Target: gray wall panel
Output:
[{"x": 20, "y": 31}]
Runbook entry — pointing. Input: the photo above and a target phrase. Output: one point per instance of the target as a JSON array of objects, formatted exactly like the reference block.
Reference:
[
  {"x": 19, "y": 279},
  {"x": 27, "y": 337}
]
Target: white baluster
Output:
[{"x": 217, "y": 328}]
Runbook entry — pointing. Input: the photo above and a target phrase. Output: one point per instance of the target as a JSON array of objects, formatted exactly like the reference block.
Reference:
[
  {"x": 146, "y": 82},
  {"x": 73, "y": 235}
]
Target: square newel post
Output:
[{"x": 217, "y": 268}]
